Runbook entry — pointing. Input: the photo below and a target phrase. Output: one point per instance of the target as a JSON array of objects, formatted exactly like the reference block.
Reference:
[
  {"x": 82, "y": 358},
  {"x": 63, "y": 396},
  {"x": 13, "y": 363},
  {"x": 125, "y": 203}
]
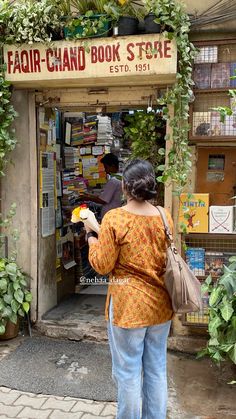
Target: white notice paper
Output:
[{"x": 47, "y": 194}]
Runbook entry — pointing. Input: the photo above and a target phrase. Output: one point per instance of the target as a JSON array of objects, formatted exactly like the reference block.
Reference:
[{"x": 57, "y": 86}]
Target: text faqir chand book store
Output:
[{"x": 74, "y": 100}]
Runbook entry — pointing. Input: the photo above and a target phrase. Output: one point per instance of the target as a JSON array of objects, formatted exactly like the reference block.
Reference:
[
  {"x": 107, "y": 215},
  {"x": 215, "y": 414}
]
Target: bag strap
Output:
[{"x": 166, "y": 224}]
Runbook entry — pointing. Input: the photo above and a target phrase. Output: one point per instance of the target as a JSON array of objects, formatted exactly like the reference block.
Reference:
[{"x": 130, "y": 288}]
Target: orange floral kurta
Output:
[{"x": 132, "y": 248}]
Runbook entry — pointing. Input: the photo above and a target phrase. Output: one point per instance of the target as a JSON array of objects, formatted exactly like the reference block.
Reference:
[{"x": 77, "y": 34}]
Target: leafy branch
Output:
[
  {"x": 222, "y": 315},
  {"x": 171, "y": 13}
]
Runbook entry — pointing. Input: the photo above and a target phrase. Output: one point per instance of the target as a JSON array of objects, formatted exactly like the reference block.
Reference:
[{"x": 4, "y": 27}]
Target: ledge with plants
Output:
[{"x": 30, "y": 21}]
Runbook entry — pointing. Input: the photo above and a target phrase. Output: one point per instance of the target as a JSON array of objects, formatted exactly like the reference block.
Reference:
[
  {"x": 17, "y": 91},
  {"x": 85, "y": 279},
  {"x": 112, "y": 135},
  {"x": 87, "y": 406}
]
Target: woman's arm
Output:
[{"x": 104, "y": 251}]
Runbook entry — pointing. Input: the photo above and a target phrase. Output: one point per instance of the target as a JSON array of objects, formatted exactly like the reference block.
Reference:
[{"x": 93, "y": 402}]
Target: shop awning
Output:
[{"x": 132, "y": 60}]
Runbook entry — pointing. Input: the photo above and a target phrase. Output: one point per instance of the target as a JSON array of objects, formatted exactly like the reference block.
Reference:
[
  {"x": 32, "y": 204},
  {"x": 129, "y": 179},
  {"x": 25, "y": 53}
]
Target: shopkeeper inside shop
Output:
[{"x": 111, "y": 196}]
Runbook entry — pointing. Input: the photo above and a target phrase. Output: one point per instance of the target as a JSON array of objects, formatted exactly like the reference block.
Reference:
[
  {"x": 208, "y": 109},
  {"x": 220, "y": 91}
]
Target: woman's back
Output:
[{"x": 136, "y": 242}]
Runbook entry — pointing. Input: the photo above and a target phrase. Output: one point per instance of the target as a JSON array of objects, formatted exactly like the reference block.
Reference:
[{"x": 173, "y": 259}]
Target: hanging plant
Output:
[
  {"x": 7, "y": 116},
  {"x": 171, "y": 14},
  {"x": 145, "y": 130},
  {"x": 31, "y": 22}
]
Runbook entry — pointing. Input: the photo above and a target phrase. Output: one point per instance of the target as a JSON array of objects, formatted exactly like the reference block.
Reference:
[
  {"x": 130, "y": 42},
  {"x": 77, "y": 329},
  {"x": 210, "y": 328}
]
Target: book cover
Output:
[
  {"x": 214, "y": 264},
  {"x": 220, "y": 75},
  {"x": 221, "y": 219},
  {"x": 202, "y": 76},
  {"x": 193, "y": 212},
  {"x": 195, "y": 258}
]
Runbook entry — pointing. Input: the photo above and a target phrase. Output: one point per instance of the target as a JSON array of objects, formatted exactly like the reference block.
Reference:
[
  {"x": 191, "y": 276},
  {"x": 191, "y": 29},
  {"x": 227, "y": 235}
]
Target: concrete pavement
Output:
[{"x": 16, "y": 404}]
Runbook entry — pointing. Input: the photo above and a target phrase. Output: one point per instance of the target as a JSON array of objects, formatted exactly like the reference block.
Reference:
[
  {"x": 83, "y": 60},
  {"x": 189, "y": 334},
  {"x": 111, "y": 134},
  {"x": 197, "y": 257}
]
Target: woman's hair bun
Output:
[{"x": 139, "y": 180}]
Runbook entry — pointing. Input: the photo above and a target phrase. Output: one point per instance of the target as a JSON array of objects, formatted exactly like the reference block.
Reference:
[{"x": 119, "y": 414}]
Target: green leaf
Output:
[
  {"x": 216, "y": 296},
  {"x": 232, "y": 354},
  {"x": 28, "y": 297},
  {"x": 26, "y": 307},
  {"x": 11, "y": 268},
  {"x": 3, "y": 285},
  {"x": 13, "y": 318},
  {"x": 202, "y": 353},
  {"x": 227, "y": 310},
  {"x": 213, "y": 342},
  {"x": 16, "y": 285},
  {"x": 161, "y": 151},
  {"x": 213, "y": 326},
  {"x": 21, "y": 312},
  {"x": 8, "y": 298},
  {"x": 19, "y": 296},
  {"x": 7, "y": 312},
  {"x": 217, "y": 357},
  {"x": 23, "y": 282},
  {"x": 2, "y": 329},
  {"x": 208, "y": 280},
  {"x": 15, "y": 306}
]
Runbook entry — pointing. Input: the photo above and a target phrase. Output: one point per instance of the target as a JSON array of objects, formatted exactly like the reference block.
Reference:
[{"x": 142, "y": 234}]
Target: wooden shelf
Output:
[
  {"x": 206, "y": 138},
  {"x": 220, "y": 90},
  {"x": 231, "y": 236}
]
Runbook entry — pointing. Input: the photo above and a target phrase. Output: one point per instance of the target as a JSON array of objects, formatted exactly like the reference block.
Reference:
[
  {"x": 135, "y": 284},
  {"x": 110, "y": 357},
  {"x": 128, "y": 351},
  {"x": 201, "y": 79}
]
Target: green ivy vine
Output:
[
  {"x": 173, "y": 18},
  {"x": 171, "y": 14},
  {"x": 146, "y": 131},
  {"x": 7, "y": 117}
]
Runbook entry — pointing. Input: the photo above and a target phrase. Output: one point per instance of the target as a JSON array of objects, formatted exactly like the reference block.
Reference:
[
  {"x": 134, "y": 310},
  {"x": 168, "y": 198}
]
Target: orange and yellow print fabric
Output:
[{"x": 132, "y": 249}]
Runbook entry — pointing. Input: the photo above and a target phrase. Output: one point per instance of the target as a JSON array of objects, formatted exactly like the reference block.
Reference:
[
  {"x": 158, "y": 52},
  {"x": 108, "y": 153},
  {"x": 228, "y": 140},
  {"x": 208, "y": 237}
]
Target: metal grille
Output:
[
  {"x": 206, "y": 255},
  {"x": 213, "y": 71},
  {"x": 206, "y": 121}
]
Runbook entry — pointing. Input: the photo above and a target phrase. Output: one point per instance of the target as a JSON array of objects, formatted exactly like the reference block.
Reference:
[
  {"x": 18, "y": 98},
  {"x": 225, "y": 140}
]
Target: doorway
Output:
[{"x": 78, "y": 138}]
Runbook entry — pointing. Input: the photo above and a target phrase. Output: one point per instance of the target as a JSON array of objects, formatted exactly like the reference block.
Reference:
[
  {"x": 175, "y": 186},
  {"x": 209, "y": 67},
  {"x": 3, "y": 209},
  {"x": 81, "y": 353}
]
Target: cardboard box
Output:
[
  {"x": 221, "y": 219},
  {"x": 193, "y": 212}
]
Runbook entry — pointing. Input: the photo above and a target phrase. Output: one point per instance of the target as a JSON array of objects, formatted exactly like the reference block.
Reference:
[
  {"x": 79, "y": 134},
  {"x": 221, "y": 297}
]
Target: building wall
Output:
[{"x": 16, "y": 183}]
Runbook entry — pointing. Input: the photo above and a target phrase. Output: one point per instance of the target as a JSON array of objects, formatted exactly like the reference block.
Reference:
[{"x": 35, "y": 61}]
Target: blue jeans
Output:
[{"x": 139, "y": 369}]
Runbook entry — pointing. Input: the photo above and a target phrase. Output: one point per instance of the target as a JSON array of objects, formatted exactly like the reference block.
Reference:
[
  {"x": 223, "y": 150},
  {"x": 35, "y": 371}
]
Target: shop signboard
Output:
[{"x": 152, "y": 58}]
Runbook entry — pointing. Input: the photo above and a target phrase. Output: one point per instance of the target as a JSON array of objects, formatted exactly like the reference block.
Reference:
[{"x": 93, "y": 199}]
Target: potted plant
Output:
[
  {"x": 31, "y": 22},
  {"x": 89, "y": 19},
  {"x": 155, "y": 19},
  {"x": 15, "y": 298},
  {"x": 124, "y": 16},
  {"x": 221, "y": 345},
  {"x": 4, "y": 18}
]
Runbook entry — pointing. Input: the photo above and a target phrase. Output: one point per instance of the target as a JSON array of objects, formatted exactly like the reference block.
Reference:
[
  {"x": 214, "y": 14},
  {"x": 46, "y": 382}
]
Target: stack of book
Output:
[
  {"x": 70, "y": 153},
  {"x": 77, "y": 132},
  {"x": 90, "y": 129},
  {"x": 105, "y": 135}
]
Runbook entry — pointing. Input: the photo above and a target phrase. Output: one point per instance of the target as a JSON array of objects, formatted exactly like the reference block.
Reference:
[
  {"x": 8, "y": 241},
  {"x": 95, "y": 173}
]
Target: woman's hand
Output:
[{"x": 87, "y": 229}]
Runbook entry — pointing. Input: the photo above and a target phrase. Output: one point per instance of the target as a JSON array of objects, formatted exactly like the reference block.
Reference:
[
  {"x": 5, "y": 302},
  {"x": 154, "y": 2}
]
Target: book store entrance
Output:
[{"x": 72, "y": 142}]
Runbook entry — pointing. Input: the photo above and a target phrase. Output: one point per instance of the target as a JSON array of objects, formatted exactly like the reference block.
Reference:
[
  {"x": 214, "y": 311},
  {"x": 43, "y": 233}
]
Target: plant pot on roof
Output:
[
  {"x": 15, "y": 298},
  {"x": 31, "y": 22},
  {"x": 124, "y": 15},
  {"x": 88, "y": 20},
  {"x": 155, "y": 20},
  {"x": 150, "y": 25}
]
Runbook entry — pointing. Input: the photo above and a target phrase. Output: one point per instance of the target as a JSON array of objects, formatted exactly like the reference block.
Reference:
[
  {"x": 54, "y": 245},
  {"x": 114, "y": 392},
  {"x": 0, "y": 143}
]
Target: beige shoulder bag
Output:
[{"x": 183, "y": 287}]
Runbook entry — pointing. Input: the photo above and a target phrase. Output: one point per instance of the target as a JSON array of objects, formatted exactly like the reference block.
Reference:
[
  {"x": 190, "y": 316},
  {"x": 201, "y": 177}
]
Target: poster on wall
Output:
[
  {"x": 47, "y": 193},
  {"x": 68, "y": 251}
]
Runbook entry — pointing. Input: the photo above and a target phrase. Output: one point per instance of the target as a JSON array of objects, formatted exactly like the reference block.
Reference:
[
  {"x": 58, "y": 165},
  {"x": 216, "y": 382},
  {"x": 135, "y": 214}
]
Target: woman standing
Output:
[{"x": 132, "y": 248}]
